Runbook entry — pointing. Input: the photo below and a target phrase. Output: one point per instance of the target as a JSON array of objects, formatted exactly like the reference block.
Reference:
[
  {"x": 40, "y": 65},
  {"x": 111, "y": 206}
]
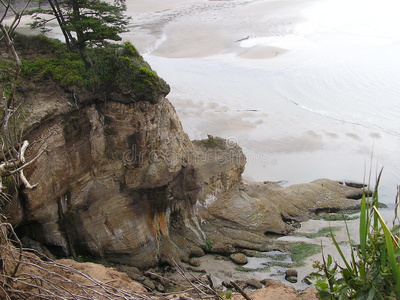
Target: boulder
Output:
[
  {"x": 239, "y": 258},
  {"x": 291, "y": 272},
  {"x": 291, "y": 275},
  {"x": 254, "y": 283},
  {"x": 195, "y": 262},
  {"x": 291, "y": 279}
]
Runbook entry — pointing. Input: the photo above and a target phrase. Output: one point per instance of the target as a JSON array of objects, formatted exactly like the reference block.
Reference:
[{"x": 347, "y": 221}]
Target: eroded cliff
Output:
[{"x": 120, "y": 180}]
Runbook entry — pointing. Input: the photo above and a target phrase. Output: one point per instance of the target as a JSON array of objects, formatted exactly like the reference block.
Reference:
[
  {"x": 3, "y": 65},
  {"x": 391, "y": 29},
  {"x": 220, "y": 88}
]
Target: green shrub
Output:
[
  {"x": 207, "y": 245},
  {"x": 373, "y": 269},
  {"x": 115, "y": 68}
]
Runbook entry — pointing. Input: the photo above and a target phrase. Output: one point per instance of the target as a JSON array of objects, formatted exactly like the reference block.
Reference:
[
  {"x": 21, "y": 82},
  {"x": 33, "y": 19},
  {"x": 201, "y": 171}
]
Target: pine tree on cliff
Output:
[{"x": 83, "y": 22}]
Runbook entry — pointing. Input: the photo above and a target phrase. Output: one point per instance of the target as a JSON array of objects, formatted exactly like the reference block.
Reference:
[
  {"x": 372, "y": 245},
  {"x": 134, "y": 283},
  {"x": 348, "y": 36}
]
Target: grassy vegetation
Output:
[
  {"x": 342, "y": 216},
  {"x": 210, "y": 142},
  {"x": 323, "y": 232},
  {"x": 300, "y": 251},
  {"x": 115, "y": 68},
  {"x": 297, "y": 251},
  {"x": 373, "y": 269},
  {"x": 207, "y": 246},
  {"x": 244, "y": 269}
]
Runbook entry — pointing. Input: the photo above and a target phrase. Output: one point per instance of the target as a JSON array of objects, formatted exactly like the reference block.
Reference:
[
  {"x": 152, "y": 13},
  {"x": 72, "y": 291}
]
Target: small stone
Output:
[
  {"x": 149, "y": 284},
  {"x": 195, "y": 262},
  {"x": 307, "y": 280},
  {"x": 291, "y": 272},
  {"x": 197, "y": 252},
  {"x": 239, "y": 258},
  {"x": 264, "y": 281},
  {"x": 254, "y": 283},
  {"x": 291, "y": 279}
]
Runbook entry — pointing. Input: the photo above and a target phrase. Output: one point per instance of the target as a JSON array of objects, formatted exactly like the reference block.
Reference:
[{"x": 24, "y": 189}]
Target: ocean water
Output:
[{"x": 308, "y": 88}]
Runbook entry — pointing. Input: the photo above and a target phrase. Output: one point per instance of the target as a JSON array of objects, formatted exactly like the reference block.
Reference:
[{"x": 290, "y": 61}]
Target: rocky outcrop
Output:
[{"x": 122, "y": 182}]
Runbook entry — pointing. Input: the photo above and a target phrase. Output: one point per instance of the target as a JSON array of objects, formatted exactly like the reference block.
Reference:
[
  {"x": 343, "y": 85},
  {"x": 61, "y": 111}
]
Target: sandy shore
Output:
[{"x": 194, "y": 29}]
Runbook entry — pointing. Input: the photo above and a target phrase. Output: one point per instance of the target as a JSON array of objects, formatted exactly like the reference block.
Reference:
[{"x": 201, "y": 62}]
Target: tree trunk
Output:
[
  {"x": 76, "y": 44},
  {"x": 57, "y": 13}
]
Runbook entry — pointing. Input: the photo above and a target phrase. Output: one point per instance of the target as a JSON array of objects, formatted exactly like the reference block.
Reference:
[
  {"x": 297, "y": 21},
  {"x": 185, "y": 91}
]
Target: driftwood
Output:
[
  {"x": 24, "y": 276},
  {"x": 13, "y": 159},
  {"x": 240, "y": 290}
]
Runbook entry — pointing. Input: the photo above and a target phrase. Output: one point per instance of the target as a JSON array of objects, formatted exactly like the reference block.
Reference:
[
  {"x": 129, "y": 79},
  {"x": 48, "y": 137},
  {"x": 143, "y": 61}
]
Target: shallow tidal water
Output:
[{"x": 308, "y": 88}]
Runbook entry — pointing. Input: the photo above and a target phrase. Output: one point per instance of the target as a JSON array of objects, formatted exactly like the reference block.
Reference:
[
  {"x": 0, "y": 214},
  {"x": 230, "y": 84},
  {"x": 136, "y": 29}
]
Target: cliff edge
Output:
[{"x": 121, "y": 181}]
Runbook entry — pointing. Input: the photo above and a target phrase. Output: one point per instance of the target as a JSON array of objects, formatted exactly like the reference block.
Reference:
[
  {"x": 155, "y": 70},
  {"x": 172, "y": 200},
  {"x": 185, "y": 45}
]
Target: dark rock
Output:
[
  {"x": 239, "y": 258},
  {"x": 264, "y": 281},
  {"x": 40, "y": 249},
  {"x": 291, "y": 279},
  {"x": 291, "y": 275},
  {"x": 254, "y": 283},
  {"x": 291, "y": 272},
  {"x": 307, "y": 280}
]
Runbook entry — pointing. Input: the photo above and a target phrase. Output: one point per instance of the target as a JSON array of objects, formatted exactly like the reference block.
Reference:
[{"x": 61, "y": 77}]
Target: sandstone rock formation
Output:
[{"x": 121, "y": 181}]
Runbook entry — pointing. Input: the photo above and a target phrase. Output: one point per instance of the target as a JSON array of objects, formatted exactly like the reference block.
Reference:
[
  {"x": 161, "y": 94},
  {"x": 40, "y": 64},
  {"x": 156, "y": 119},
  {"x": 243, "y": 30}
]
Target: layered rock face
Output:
[{"x": 122, "y": 181}]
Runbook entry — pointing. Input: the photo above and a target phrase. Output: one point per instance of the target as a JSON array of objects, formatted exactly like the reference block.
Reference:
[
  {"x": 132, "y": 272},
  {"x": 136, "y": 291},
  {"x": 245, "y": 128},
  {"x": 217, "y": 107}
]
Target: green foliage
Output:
[
  {"x": 228, "y": 295},
  {"x": 93, "y": 22},
  {"x": 130, "y": 51},
  {"x": 121, "y": 68},
  {"x": 63, "y": 70},
  {"x": 115, "y": 68},
  {"x": 207, "y": 245},
  {"x": 340, "y": 216},
  {"x": 244, "y": 269},
  {"x": 373, "y": 269},
  {"x": 300, "y": 251},
  {"x": 323, "y": 232},
  {"x": 212, "y": 142}
]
